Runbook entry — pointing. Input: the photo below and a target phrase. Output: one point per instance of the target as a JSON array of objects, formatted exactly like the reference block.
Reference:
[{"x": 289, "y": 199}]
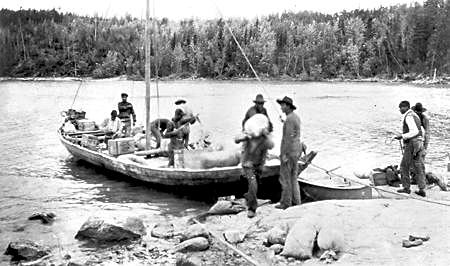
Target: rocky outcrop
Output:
[
  {"x": 26, "y": 250},
  {"x": 111, "y": 230}
]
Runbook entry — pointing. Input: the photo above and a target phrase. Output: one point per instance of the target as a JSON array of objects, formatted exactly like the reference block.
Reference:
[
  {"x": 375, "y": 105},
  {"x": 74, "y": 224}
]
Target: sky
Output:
[{"x": 179, "y": 9}]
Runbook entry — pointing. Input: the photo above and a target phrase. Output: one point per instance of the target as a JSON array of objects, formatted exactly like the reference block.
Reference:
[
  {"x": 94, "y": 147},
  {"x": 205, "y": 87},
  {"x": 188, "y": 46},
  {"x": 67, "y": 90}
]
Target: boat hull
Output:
[
  {"x": 166, "y": 176},
  {"x": 315, "y": 191}
]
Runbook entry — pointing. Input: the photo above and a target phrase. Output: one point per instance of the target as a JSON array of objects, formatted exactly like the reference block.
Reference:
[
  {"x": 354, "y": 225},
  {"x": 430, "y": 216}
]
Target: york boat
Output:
[{"x": 155, "y": 170}]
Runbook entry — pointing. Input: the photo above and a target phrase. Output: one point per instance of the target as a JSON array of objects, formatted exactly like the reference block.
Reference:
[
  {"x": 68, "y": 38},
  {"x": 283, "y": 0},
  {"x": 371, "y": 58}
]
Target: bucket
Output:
[{"x": 178, "y": 159}]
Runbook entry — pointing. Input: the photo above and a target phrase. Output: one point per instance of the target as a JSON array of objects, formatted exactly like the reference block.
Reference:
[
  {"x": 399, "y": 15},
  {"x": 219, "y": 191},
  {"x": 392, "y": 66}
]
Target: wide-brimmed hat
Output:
[
  {"x": 418, "y": 108},
  {"x": 180, "y": 101},
  {"x": 287, "y": 101},
  {"x": 259, "y": 99},
  {"x": 124, "y": 95}
]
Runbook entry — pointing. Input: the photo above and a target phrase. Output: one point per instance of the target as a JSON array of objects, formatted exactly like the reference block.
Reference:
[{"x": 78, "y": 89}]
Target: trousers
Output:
[
  {"x": 413, "y": 156},
  {"x": 290, "y": 189},
  {"x": 253, "y": 175}
]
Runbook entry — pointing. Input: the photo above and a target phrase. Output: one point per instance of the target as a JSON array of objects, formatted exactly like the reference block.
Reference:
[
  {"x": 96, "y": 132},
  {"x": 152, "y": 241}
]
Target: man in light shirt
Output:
[
  {"x": 413, "y": 149},
  {"x": 112, "y": 126}
]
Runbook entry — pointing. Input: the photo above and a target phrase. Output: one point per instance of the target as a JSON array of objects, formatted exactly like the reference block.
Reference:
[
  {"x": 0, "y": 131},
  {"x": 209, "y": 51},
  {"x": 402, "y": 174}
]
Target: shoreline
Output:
[{"x": 445, "y": 80}]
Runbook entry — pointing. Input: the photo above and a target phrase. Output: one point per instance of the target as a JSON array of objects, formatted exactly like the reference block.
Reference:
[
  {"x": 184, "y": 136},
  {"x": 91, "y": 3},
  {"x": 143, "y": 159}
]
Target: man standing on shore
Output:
[
  {"x": 425, "y": 122},
  {"x": 258, "y": 108},
  {"x": 125, "y": 112},
  {"x": 291, "y": 149},
  {"x": 413, "y": 150}
]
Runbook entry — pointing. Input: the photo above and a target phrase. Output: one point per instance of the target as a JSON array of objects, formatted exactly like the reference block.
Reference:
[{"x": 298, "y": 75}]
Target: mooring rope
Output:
[
  {"x": 248, "y": 62},
  {"x": 374, "y": 187},
  {"x": 228, "y": 245},
  {"x": 76, "y": 94}
]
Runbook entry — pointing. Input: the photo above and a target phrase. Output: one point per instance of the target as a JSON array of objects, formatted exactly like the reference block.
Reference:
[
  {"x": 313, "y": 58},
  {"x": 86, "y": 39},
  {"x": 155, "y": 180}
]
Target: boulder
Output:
[
  {"x": 276, "y": 235},
  {"x": 194, "y": 244},
  {"x": 234, "y": 236},
  {"x": 163, "y": 230},
  {"x": 111, "y": 230},
  {"x": 195, "y": 230},
  {"x": 44, "y": 217},
  {"x": 331, "y": 238},
  {"x": 26, "y": 250}
]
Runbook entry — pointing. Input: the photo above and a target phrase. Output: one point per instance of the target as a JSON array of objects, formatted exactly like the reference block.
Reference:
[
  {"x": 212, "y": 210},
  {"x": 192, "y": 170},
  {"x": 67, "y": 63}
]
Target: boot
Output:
[
  {"x": 404, "y": 190},
  {"x": 281, "y": 206},
  {"x": 415, "y": 237},
  {"x": 408, "y": 244},
  {"x": 421, "y": 192},
  {"x": 250, "y": 214}
]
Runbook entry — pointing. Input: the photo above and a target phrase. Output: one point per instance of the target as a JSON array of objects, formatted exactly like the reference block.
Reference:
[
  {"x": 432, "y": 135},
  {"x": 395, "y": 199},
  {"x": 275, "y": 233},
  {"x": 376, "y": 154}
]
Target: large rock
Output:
[
  {"x": 163, "y": 230},
  {"x": 26, "y": 250},
  {"x": 195, "y": 230},
  {"x": 111, "y": 230},
  {"x": 330, "y": 237},
  {"x": 194, "y": 244},
  {"x": 300, "y": 239}
]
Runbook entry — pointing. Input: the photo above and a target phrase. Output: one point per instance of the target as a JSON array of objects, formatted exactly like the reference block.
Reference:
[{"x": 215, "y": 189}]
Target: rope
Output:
[
  {"x": 76, "y": 94},
  {"x": 248, "y": 62},
  {"x": 228, "y": 245},
  {"x": 376, "y": 188}
]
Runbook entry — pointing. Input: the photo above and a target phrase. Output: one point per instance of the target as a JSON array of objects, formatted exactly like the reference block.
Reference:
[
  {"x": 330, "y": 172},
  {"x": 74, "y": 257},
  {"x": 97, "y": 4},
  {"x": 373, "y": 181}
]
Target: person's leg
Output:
[
  {"x": 295, "y": 186},
  {"x": 405, "y": 167},
  {"x": 250, "y": 196},
  {"x": 418, "y": 163},
  {"x": 286, "y": 192}
]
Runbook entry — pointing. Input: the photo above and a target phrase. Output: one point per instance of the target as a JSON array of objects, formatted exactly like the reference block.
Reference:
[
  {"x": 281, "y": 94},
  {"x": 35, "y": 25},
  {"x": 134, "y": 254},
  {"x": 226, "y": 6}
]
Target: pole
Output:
[{"x": 147, "y": 77}]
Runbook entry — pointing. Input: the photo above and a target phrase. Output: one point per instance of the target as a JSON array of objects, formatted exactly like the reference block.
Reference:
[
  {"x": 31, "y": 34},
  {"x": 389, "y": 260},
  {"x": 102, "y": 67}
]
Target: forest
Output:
[{"x": 402, "y": 41}]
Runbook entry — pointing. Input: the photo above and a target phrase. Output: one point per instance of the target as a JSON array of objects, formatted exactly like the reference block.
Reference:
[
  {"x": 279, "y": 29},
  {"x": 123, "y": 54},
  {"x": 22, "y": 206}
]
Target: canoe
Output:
[
  {"x": 314, "y": 189},
  {"x": 154, "y": 171}
]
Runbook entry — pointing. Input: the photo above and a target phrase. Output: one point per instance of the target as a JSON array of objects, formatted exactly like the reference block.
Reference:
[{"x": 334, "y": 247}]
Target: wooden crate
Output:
[
  {"x": 89, "y": 141},
  {"x": 86, "y": 125},
  {"x": 121, "y": 146}
]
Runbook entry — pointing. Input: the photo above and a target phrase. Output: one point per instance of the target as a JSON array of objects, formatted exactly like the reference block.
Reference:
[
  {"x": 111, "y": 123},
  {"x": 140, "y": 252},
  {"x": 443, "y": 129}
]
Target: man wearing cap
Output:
[
  {"x": 291, "y": 149},
  {"x": 188, "y": 118},
  {"x": 258, "y": 108},
  {"x": 112, "y": 126},
  {"x": 125, "y": 112},
  {"x": 413, "y": 149}
]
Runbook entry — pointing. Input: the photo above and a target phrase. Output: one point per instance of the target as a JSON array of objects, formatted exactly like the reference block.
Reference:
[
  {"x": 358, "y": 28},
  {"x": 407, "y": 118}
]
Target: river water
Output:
[{"x": 347, "y": 123}]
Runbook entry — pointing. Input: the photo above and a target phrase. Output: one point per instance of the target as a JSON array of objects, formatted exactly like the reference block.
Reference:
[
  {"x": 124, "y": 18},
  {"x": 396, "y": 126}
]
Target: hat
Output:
[
  {"x": 287, "y": 101},
  {"x": 418, "y": 108},
  {"x": 259, "y": 99},
  {"x": 180, "y": 101},
  {"x": 113, "y": 112},
  {"x": 124, "y": 95}
]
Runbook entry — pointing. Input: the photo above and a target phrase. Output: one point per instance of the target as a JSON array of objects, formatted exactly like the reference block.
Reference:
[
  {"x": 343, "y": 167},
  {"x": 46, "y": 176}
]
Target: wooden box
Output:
[
  {"x": 121, "y": 146},
  {"x": 379, "y": 179},
  {"x": 86, "y": 125},
  {"x": 89, "y": 141}
]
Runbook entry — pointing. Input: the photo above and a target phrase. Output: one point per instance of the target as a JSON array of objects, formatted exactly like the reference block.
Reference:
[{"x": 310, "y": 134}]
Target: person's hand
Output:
[
  {"x": 283, "y": 158},
  {"x": 134, "y": 123},
  {"x": 397, "y": 137},
  {"x": 424, "y": 152}
]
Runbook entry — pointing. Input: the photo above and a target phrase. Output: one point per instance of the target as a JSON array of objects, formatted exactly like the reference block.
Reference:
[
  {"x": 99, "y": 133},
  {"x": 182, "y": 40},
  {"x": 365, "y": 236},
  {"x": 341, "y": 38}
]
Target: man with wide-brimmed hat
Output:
[
  {"x": 125, "y": 112},
  {"x": 258, "y": 108},
  {"x": 291, "y": 149},
  {"x": 425, "y": 122}
]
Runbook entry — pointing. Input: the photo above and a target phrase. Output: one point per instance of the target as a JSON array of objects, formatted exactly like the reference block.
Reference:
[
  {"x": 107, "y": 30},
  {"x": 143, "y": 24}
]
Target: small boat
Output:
[{"x": 325, "y": 188}]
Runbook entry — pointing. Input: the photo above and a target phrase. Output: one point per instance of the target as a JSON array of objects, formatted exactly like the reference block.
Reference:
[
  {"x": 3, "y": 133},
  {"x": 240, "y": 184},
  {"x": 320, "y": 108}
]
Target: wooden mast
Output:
[{"x": 147, "y": 77}]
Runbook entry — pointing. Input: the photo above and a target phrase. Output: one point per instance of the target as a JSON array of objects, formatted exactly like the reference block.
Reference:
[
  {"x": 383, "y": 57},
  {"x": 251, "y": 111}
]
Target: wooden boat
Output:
[
  {"x": 155, "y": 170},
  {"x": 329, "y": 189}
]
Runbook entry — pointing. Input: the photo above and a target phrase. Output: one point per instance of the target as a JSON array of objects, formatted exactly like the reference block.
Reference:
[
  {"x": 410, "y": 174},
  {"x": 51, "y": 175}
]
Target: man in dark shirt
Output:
[
  {"x": 258, "y": 108},
  {"x": 125, "y": 112},
  {"x": 291, "y": 149},
  {"x": 253, "y": 158},
  {"x": 175, "y": 132},
  {"x": 157, "y": 128}
]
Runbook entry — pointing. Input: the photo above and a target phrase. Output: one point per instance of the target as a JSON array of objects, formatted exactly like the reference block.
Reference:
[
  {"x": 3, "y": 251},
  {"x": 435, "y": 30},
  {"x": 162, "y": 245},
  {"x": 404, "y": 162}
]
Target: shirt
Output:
[
  {"x": 290, "y": 142},
  {"x": 109, "y": 125},
  {"x": 252, "y": 111},
  {"x": 254, "y": 151},
  {"x": 413, "y": 130},
  {"x": 126, "y": 110}
]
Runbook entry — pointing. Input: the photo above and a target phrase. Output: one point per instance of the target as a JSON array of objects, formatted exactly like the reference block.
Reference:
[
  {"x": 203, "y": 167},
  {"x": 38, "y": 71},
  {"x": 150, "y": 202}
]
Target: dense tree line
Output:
[{"x": 396, "y": 41}]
